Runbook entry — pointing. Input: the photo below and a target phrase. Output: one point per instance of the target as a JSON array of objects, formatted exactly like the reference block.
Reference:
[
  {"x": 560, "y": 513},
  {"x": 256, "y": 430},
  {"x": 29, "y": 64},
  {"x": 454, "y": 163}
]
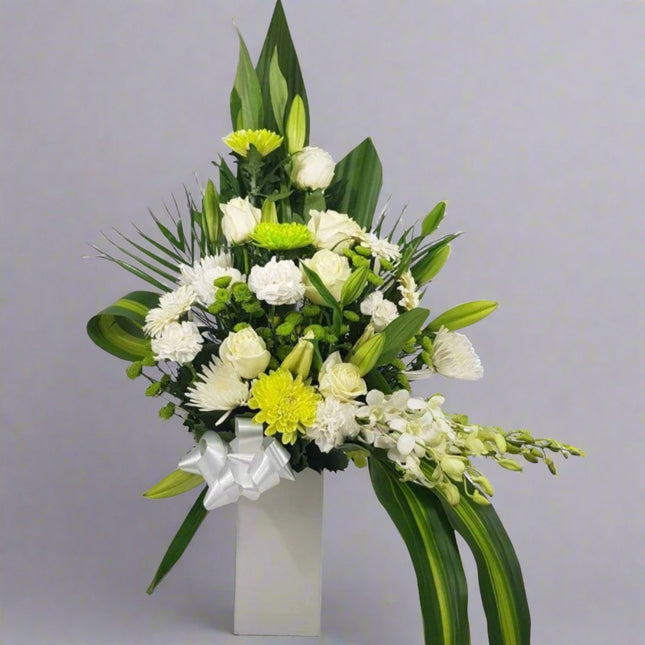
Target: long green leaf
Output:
[
  {"x": 246, "y": 96},
  {"x": 181, "y": 540},
  {"x": 118, "y": 328},
  {"x": 278, "y": 38},
  {"x": 399, "y": 332},
  {"x": 500, "y": 576},
  {"x": 279, "y": 91},
  {"x": 358, "y": 178},
  {"x": 132, "y": 269},
  {"x": 430, "y": 539},
  {"x": 157, "y": 258},
  {"x": 159, "y": 246}
]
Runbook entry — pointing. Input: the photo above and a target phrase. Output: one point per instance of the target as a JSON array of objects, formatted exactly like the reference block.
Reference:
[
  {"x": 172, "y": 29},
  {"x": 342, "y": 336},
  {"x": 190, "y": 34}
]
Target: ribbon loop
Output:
[{"x": 249, "y": 466}]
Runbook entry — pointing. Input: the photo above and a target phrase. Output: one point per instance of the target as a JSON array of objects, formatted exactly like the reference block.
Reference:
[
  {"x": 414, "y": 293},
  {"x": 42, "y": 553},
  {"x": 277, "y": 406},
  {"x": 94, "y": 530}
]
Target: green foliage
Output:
[
  {"x": 178, "y": 482},
  {"x": 463, "y": 315},
  {"x": 399, "y": 331},
  {"x": 246, "y": 97}
]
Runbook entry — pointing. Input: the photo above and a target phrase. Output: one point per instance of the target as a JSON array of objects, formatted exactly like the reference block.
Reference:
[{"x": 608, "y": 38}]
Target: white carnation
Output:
[
  {"x": 240, "y": 219},
  {"x": 381, "y": 248},
  {"x": 333, "y": 231},
  {"x": 171, "y": 306},
  {"x": 408, "y": 289},
  {"x": 179, "y": 342},
  {"x": 334, "y": 424},
  {"x": 382, "y": 311},
  {"x": 313, "y": 168},
  {"x": 277, "y": 282},
  {"x": 203, "y": 273},
  {"x": 453, "y": 355},
  {"x": 219, "y": 388}
]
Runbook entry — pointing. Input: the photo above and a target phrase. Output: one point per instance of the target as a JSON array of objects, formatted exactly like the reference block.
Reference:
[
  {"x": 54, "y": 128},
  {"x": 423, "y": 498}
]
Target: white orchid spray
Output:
[{"x": 279, "y": 300}]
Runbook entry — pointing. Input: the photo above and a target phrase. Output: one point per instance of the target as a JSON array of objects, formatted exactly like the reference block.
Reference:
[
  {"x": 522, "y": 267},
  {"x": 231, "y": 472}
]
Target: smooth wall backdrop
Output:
[{"x": 527, "y": 117}]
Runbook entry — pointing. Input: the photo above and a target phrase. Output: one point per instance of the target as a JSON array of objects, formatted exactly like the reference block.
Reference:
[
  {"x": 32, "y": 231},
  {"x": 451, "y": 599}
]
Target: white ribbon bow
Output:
[{"x": 250, "y": 465}]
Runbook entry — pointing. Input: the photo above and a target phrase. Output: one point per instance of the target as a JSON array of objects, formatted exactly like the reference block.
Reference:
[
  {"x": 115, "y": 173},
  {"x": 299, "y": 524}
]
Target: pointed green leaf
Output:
[
  {"x": 169, "y": 252},
  {"x": 320, "y": 287},
  {"x": 399, "y": 332},
  {"x": 181, "y": 540},
  {"x": 278, "y": 38},
  {"x": 357, "y": 184},
  {"x": 118, "y": 328},
  {"x": 176, "y": 483},
  {"x": 279, "y": 91},
  {"x": 432, "y": 220},
  {"x": 463, "y": 315},
  {"x": 246, "y": 96},
  {"x": 430, "y": 539},
  {"x": 173, "y": 266},
  {"x": 500, "y": 576}
]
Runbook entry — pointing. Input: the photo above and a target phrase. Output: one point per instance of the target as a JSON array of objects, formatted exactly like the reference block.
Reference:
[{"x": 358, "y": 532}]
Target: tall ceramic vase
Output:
[{"x": 278, "y": 563}]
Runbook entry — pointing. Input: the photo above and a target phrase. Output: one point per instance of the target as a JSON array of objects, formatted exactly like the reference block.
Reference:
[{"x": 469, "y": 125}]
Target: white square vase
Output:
[{"x": 278, "y": 560}]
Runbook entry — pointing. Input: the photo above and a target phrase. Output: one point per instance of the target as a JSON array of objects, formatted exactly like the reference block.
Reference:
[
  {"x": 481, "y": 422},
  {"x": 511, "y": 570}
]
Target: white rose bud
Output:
[
  {"x": 333, "y": 231},
  {"x": 313, "y": 168},
  {"x": 240, "y": 219},
  {"x": 332, "y": 269},
  {"x": 340, "y": 380},
  {"x": 245, "y": 351}
]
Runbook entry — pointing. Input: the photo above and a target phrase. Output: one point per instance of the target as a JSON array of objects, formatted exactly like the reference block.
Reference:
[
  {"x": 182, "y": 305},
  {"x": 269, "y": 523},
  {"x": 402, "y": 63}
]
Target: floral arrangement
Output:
[{"x": 282, "y": 302}]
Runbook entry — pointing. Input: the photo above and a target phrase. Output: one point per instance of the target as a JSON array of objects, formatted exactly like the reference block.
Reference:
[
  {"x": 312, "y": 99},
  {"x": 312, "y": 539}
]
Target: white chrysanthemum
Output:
[
  {"x": 382, "y": 311},
  {"x": 171, "y": 306},
  {"x": 380, "y": 248},
  {"x": 408, "y": 289},
  {"x": 277, "y": 282},
  {"x": 202, "y": 275},
  {"x": 219, "y": 388},
  {"x": 334, "y": 424},
  {"x": 453, "y": 355},
  {"x": 179, "y": 342}
]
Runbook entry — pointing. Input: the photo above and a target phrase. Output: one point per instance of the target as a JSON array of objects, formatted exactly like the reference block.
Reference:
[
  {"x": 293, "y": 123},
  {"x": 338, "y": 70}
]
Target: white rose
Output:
[
  {"x": 332, "y": 269},
  {"x": 313, "y": 168},
  {"x": 246, "y": 352},
  {"x": 340, "y": 380},
  {"x": 382, "y": 311},
  {"x": 240, "y": 219},
  {"x": 278, "y": 283},
  {"x": 333, "y": 231}
]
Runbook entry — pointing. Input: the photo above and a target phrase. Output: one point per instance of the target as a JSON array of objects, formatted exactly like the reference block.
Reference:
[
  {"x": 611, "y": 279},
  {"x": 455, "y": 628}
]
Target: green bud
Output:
[
  {"x": 386, "y": 264},
  {"x": 483, "y": 483},
  {"x": 399, "y": 364},
  {"x": 426, "y": 343},
  {"x": 402, "y": 380},
  {"x": 427, "y": 359},
  {"x": 352, "y": 316},
  {"x": 223, "y": 296},
  {"x": 348, "y": 253},
  {"x": 360, "y": 261},
  {"x": 211, "y": 214},
  {"x": 478, "y": 498},
  {"x": 154, "y": 389},
  {"x": 428, "y": 268},
  {"x": 354, "y": 286},
  {"x": 374, "y": 279},
  {"x": 551, "y": 466},
  {"x": 363, "y": 250},
  {"x": 298, "y": 361},
  {"x": 167, "y": 411},
  {"x": 241, "y": 292},
  {"x": 500, "y": 442},
  {"x": 368, "y": 333},
  {"x": 410, "y": 347},
  {"x": 331, "y": 338},
  {"x": 240, "y": 326},
  {"x": 318, "y": 331},
  {"x": 294, "y": 318},
  {"x": 216, "y": 308},
  {"x": 530, "y": 457},
  {"x": 222, "y": 282},
  {"x": 149, "y": 361},
  {"x": 296, "y": 128},
  {"x": 134, "y": 370},
  {"x": 311, "y": 311},
  {"x": 367, "y": 355},
  {"x": 450, "y": 492},
  {"x": 359, "y": 457},
  {"x": 285, "y": 329},
  {"x": 453, "y": 466},
  {"x": 269, "y": 211},
  {"x": 509, "y": 464}
]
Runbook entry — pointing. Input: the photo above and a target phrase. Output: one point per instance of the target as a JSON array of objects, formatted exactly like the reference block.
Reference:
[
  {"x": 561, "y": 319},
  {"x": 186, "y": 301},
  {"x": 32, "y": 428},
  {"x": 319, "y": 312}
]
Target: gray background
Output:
[{"x": 526, "y": 117}]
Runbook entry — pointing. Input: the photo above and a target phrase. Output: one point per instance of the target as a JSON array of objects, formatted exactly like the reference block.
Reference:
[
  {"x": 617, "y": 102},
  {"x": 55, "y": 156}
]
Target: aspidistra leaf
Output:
[
  {"x": 246, "y": 96},
  {"x": 429, "y": 537},
  {"x": 399, "y": 332},
  {"x": 279, "y": 91}
]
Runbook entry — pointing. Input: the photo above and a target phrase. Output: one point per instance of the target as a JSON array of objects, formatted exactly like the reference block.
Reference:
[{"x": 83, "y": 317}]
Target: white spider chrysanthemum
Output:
[
  {"x": 219, "y": 388},
  {"x": 179, "y": 342},
  {"x": 380, "y": 248},
  {"x": 203, "y": 273},
  {"x": 453, "y": 355},
  {"x": 335, "y": 422},
  {"x": 408, "y": 289},
  {"x": 171, "y": 306}
]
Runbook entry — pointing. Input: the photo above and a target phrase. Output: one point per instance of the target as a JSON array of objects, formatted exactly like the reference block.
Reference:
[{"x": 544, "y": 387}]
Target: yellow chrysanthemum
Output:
[
  {"x": 264, "y": 141},
  {"x": 285, "y": 404},
  {"x": 281, "y": 237}
]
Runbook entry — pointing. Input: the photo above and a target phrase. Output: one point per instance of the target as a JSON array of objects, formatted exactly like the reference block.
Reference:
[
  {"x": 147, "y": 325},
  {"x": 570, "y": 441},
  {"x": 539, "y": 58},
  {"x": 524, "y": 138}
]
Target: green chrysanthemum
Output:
[
  {"x": 285, "y": 404},
  {"x": 281, "y": 237},
  {"x": 264, "y": 141}
]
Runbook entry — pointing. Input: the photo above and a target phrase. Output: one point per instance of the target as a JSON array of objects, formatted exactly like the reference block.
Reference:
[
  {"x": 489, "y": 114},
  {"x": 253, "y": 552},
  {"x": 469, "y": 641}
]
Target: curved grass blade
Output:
[
  {"x": 181, "y": 540},
  {"x": 430, "y": 539},
  {"x": 118, "y": 328},
  {"x": 500, "y": 576}
]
